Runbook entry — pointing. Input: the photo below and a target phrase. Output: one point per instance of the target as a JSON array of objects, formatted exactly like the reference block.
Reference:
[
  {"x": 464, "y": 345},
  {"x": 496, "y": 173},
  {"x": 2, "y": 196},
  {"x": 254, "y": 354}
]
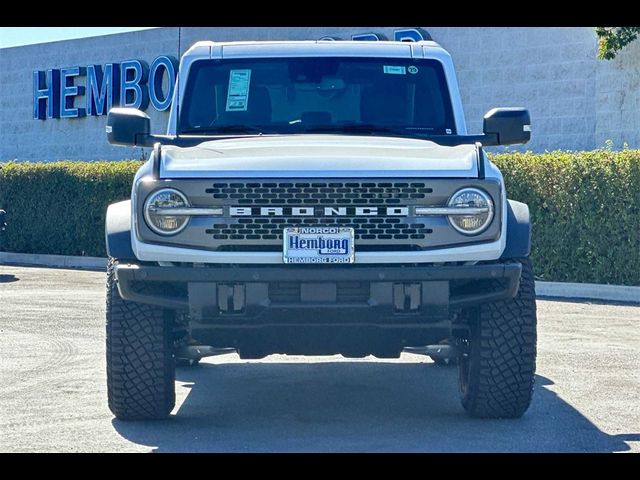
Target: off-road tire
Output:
[
  {"x": 140, "y": 364},
  {"x": 497, "y": 367}
]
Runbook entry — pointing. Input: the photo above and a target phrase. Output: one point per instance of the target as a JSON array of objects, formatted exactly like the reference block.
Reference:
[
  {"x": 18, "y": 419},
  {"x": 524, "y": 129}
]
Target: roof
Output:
[{"x": 248, "y": 49}]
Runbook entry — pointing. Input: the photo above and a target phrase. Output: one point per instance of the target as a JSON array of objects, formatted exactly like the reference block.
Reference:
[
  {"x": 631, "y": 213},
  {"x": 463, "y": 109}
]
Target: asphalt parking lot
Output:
[{"x": 53, "y": 392}]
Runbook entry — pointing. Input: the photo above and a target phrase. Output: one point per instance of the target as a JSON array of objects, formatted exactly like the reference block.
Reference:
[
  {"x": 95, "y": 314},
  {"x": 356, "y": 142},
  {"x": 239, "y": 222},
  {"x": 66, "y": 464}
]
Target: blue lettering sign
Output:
[
  {"x": 68, "y": 91},
  {"x": 403, "y": 35},
  {"x": 46, "y": 91},
  {"x": 103, "y": 88},
  {"x": 368, "y": 37},
  {"x": 134, "y": 73},
  {"x": 156, "y": 74},
  {"x": 411, "y": 35}
]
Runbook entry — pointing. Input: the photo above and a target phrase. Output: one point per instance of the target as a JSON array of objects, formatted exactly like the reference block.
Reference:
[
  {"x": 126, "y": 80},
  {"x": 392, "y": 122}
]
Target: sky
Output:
[{"x": 16, "y": 36}]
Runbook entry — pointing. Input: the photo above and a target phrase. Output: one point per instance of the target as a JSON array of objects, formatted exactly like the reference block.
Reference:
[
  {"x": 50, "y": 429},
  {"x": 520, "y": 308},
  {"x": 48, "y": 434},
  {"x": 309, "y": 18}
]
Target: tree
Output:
[{"x": 613, "y": 39}]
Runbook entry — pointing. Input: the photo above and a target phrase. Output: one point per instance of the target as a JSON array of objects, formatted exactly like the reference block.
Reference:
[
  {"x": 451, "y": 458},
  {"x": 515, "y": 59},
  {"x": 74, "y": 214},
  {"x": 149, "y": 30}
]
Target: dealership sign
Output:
[{"x": 132, "y": 83}]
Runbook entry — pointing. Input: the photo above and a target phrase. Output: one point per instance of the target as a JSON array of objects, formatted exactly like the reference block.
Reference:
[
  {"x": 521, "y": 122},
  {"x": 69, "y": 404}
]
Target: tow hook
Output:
[
  {"x": 192, "y": 354},
  {"x": 442, "y": 352}
]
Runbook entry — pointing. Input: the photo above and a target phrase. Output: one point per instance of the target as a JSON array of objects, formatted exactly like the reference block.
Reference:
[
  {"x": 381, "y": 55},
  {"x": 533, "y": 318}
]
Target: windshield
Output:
[{"x": 304, "y": 95}]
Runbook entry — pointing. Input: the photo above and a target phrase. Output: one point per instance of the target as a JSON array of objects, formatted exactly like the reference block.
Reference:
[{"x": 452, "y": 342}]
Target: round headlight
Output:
[
  {"x": 479, "y": 220},
  {"x": 157, "y": 211}
]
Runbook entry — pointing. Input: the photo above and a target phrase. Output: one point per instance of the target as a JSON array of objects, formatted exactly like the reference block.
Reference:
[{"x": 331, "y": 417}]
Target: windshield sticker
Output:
[
  {"x": 395, "y": 70},
  {"x": 412, "y": 69},
  {"x": 238, "y": 94}
]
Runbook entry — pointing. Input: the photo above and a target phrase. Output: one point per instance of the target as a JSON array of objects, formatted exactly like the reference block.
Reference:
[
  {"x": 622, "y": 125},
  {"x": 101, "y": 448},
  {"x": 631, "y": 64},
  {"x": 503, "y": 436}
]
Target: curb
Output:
[
  {"x": 583, "y": 291},
  {"x": 59, "y": 261},
  {"x": 588, "y": 291}
]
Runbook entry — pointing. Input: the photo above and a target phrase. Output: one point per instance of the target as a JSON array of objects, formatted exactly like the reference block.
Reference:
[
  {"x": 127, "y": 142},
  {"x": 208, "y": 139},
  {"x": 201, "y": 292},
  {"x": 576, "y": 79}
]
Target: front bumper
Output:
[{"x": 347, "y": 294}]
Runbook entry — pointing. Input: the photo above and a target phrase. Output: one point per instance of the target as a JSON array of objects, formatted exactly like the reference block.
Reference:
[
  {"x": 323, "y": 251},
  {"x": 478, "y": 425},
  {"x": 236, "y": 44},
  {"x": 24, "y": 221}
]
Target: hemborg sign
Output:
[{"x": 132, "y": 83}]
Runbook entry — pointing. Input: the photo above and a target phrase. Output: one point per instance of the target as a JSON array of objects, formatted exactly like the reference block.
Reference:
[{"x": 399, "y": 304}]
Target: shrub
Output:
[
  {"x": 60, "y": 207},
  {"x": 585, "y": 208}
]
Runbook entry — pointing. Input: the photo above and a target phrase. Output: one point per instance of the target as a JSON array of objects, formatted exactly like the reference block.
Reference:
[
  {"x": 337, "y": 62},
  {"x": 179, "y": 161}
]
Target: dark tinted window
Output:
[{"x": 284, "y": 95}]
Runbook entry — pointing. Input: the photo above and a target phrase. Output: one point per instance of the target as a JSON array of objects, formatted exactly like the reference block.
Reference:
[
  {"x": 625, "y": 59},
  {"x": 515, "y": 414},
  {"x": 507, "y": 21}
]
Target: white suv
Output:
[{"x": 316, "y": 198}]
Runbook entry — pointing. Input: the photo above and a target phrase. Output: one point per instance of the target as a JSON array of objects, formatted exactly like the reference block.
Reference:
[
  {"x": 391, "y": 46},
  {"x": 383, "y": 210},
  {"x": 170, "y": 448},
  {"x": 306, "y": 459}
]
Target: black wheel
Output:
[
  {"x": 497, "y": 365},
  {"x": 140, "y": 364}
]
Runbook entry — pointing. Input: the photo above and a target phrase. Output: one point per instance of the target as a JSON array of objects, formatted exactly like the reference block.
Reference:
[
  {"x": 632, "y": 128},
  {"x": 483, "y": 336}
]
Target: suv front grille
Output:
[
  {"x": 320, "y": 194},
  {"x": 316, "y": 193},
  {"x": 365, "y": 228},
  {"x": 255, "y": 212}
]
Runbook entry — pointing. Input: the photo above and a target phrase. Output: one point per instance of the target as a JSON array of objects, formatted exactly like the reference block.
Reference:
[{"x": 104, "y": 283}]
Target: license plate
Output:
[{"x": 318, "y": 245}]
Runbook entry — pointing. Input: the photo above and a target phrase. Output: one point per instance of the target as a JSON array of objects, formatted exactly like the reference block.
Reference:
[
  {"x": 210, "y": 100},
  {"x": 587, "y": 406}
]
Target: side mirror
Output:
[
  {"x": 507, "y": 126},
  {"x": 128, "y": 127},
  {"x": 3, "y": 223}
]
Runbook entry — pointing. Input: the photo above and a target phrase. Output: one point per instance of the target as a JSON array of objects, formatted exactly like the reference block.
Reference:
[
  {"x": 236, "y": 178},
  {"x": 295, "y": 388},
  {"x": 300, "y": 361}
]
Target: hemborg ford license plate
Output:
[{"x": 318, "y": 245}]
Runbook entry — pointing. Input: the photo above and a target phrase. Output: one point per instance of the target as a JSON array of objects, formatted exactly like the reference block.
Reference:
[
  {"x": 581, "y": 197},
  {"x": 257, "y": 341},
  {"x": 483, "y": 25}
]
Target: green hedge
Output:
[
  {"x": 585, "y": 208},
  {"x": 60, "y": 207}
]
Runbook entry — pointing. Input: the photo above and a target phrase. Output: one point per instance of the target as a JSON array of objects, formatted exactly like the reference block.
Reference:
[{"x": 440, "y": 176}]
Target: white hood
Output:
[{"x": 319, "y": 156}]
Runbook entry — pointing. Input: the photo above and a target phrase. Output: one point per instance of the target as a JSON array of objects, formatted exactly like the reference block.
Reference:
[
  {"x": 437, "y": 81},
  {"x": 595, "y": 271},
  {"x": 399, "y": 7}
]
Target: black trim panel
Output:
[
  {"x": 518, "y": 231},
  {"x": 118, "y": 231},
  {"x": 157, "y": 151}
]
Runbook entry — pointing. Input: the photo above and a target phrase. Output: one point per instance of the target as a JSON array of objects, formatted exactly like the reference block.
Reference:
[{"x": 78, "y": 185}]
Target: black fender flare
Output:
[
  {"x": 118, "y": 231},
  {"x": 518, "y": 230}
]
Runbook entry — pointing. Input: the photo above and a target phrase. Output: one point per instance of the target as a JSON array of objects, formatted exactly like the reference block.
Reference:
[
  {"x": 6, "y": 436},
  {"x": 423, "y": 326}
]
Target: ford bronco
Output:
[{"x": 318, "y": 198}]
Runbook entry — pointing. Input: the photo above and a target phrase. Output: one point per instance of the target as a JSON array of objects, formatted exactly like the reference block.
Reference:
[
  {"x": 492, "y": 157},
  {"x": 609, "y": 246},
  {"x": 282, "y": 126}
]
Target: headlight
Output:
[
  {"x": 480, "y": 211},
  {"x": 158, "y": 215}
]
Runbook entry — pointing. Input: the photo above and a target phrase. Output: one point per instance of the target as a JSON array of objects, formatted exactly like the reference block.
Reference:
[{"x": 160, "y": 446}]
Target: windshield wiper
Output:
[{"x": 226, "y": 129}]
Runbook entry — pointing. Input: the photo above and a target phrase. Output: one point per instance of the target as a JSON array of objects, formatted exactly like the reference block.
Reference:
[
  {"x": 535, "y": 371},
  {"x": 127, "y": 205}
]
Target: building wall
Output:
[
  {"x": 23, "y": 138},
  {"x": 550, "y": 71},
  {"x": 576, "y": 101},
  {"x": 618, "y": 99}
]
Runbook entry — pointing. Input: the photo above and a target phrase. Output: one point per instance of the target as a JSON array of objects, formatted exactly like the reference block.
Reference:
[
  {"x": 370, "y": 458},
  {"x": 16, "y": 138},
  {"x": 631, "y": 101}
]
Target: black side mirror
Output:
[
  {"x": 128, "y": 127},
  {"x": 3, "y": 223},
  {"x": 507, "y": 126}
]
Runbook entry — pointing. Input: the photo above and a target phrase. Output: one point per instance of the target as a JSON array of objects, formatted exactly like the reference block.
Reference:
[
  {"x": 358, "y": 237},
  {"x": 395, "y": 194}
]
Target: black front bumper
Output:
[{"x": 346, "y": 294}]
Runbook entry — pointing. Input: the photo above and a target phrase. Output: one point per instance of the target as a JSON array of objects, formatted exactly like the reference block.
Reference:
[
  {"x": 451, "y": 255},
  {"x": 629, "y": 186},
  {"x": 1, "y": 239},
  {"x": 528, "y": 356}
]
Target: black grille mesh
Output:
[
  {"x": 365, "y": 228},
  {"x": 316, "y": 193}
]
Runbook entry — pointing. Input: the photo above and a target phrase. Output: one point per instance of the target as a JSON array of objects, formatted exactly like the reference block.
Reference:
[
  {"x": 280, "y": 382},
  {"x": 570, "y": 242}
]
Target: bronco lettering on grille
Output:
[{"x": 318, "y": 211}]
